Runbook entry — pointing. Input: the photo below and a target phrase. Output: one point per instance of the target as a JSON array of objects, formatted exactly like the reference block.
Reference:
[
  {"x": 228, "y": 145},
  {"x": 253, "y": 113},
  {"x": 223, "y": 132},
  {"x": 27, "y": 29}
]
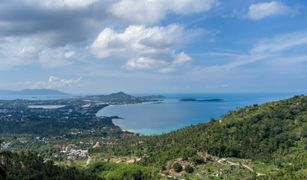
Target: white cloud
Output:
[
  {"x": 58, "y": 4},
  {"x": 280, "y": 43},
  {"x": 143, "y": 63},
  {"x": 182, "y": 58},
  {"x": 52, "y": 32},
  {"x": 153, "y": 11},
  {"x": 16, "y": 51},
  {"x": 56, "y": 57},
  {"x": 144, "y": 48},
  {"x": 267, "y": 50},
  {"x": 260, "y": 11},
  {"x": 53, "y": 82},
  {"x": 69, "y": 54}
]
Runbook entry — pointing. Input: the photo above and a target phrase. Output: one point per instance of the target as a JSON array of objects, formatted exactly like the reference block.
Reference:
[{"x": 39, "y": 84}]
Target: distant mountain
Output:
[
  {"x": 32, "y": 92},
  {"x": 119, "y": 97}
]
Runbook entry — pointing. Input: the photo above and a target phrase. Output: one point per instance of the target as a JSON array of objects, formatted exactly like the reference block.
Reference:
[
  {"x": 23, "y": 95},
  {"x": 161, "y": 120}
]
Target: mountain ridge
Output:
[{"x": 32, "y": 92}]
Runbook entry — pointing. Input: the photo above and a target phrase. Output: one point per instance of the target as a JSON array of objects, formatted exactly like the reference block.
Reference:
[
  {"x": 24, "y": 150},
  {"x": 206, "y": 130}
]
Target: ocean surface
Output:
[{"x": 173, "y": 114}]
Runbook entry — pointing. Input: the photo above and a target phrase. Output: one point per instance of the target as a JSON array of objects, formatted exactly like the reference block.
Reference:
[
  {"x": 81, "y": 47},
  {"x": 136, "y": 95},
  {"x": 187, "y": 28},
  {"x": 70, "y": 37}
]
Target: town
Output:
[{"x": 68, "y": 127}]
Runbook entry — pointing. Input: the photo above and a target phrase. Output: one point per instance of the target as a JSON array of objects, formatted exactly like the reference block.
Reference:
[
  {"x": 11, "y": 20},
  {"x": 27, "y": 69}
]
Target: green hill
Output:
[
  {"x": 273, "y": 134},
  {"x": 255, "y": 132}
]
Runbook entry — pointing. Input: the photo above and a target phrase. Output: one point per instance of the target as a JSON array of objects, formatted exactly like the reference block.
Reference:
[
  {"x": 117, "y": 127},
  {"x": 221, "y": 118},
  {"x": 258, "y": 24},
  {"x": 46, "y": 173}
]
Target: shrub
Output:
[
  {"x": 189, "y": 169},
  {"x": 177, "y": 167},
  {"x": 198, "y": 160},
  {"x": 127, "y": 172}
]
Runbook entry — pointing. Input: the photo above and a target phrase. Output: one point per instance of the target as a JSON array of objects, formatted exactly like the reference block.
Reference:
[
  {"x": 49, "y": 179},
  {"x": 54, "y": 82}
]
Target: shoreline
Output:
[
  {"x": 185, "y": 122},
  {"x": 144, "y": 132},
  {"x": 116, "y": 123}
]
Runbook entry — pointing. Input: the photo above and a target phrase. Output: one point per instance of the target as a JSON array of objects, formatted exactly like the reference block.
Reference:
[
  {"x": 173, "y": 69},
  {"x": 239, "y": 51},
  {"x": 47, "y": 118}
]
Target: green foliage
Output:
[
  {"x": 264, "y": 133},
  {"x": 254, "y": 132},
  {"x": 2, "y": 173},
  {"x": 177, "y": 167},
  {"x": 189, "y": 169},
  {"x": 30, "y": 166},
  {"x": 112, "y": 171},
  {"x": 2, "y": 169},
  {"x": 197, "y": 159}
]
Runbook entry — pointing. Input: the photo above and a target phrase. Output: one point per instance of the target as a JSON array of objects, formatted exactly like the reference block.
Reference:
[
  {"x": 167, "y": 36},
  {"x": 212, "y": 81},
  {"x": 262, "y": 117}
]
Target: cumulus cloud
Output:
[
  {"x": 153, "y": 11},
  {"x": 260, "y": 11},
  {"x": 57, "y": 22},
  {"x": 56, "y": 57},
  {"x": 143, "y": 63},
  {"x": 53, "y": 82},
  {"x": 36, "y": 31},
  {"x": 59, "y": 4},
  {"x": 15, "y": 51},
  {"x": 143, "y": 47},
  {"x": 61, "y": 22}
]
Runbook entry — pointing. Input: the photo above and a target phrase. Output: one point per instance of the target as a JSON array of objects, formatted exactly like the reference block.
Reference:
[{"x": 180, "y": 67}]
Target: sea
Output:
[{"x": 172, "y": 113}]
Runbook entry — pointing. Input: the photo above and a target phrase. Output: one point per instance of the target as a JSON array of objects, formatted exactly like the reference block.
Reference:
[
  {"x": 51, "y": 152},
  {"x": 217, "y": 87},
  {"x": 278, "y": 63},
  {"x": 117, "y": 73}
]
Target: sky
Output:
[{"x": 154, "y": 46}]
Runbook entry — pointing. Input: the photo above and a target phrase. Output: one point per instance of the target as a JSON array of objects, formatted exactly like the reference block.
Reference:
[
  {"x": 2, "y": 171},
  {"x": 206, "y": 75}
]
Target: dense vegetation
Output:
[
  {"x": 112, "y": 171},
  {"x": 274, "y": 133},
  {"x": 20, "y": 166},
  {"x": 24, "y": 166},
  {"x": 254, "y": 132}
]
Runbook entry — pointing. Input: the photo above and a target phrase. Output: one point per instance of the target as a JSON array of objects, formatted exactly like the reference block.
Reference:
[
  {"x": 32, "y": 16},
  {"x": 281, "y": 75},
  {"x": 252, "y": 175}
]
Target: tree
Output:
[
  {"x": 2, "y": 169},
  {"x": 177, "y": 167},
  {"x": 189, "y": 169},
  {"x": 198, "y": 160}
]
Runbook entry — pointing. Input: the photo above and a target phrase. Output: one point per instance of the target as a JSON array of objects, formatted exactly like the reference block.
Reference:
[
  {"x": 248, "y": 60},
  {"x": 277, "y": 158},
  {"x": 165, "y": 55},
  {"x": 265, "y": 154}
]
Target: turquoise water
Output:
[{"x": 172, "y": 114}]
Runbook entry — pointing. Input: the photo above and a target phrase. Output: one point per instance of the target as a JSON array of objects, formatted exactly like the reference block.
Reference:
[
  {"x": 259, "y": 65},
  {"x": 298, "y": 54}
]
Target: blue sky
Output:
[{"x": 154, "y": 46}]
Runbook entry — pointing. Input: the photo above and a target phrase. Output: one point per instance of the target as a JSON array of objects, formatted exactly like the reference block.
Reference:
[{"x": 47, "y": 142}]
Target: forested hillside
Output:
[
  {"x": 255, "y": 132},
  {"x": 274, "y": 133},
  {"x": 18, "y": 166}
]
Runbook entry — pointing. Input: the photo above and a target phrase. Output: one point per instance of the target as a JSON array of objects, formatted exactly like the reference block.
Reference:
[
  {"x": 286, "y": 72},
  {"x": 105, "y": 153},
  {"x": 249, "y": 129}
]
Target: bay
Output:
[{"x": 173, "y": 114}]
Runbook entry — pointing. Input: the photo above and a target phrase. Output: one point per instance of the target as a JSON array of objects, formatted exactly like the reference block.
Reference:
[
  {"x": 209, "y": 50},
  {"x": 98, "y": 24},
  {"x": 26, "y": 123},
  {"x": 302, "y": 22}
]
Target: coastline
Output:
[
  {"x": 144, "y": 132},
  {"x": 174, "y": 112},
  {"x": 115, "y": 122}
]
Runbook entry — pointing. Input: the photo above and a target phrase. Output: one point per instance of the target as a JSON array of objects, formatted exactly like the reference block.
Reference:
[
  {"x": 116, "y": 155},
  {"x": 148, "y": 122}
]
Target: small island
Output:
[{"x": 200, "y": 100}]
